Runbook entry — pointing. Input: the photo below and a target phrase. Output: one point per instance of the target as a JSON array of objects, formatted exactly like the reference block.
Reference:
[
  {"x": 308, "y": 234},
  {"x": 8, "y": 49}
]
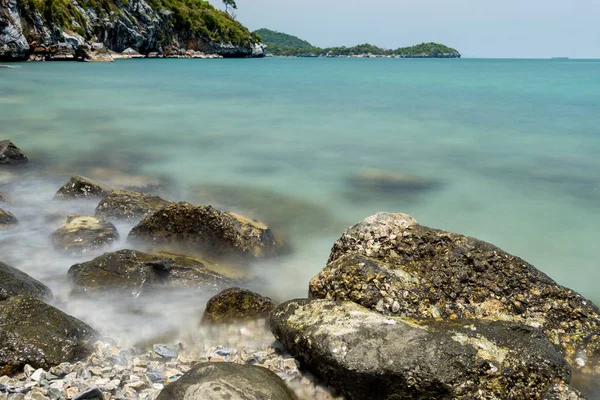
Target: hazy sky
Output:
[{"x": 477, "y": 28}]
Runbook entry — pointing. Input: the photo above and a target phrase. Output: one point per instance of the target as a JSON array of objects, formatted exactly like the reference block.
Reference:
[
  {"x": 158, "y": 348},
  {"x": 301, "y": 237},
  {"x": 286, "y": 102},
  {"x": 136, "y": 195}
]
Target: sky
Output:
[{"x": 477, "y": 28}]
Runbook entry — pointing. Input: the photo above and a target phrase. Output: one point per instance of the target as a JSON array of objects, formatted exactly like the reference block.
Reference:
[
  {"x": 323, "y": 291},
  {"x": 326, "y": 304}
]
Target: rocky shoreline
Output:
[{"x": 400, "y": 310}]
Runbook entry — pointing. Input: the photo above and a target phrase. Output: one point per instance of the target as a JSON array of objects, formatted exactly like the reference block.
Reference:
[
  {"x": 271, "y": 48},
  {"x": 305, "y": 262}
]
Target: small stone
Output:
[
  {"x": 92, "y": 393},
  {"x": 71, "y": 392},
  {"x": 38, "y": 375},
  {"x": 164, "y": 351},
  {"x": 28, "y": 370}
]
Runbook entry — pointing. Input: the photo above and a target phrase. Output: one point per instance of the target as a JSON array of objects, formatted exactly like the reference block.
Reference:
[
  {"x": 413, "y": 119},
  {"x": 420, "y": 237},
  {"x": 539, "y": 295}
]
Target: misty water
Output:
[{"x": 503, "y": 150}]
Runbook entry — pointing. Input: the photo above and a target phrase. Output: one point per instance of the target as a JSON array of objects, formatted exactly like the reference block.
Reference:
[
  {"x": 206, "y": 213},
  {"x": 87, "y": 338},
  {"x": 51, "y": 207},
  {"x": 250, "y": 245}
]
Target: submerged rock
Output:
[
  {"x": 137, "y": 272},
  {"x": 391, "y": 264},
  {"x": 128, "y": 205},
  {"x": 80, "y": 234},
  {"x": 216, "y": 381},
  {"x": 7, "y": 220},
  {"x": 14, "y": 282},
  {"x": 80, "y": 187},
  {"x": 370, "y": 356},
  {"x": 11, "y": 154},
  {"x": 35, "y": 333},
  {"x": 236, "y": 304},
  {"x": 390, "y": 182},
  {"x": 206, "y": 230}
]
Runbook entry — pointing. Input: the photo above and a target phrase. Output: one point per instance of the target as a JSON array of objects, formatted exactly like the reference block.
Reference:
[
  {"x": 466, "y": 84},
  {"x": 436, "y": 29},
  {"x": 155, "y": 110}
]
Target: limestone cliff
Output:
[{"x": 89, "y": 29}]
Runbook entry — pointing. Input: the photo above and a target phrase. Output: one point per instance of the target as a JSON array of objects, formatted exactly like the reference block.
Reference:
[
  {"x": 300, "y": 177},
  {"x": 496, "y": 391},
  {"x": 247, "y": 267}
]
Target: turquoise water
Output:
[{"x": 510, "y": 148}]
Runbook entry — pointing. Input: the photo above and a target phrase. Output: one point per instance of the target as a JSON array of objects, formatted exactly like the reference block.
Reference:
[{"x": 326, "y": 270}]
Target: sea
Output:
[{"x": 507, "y": 151}]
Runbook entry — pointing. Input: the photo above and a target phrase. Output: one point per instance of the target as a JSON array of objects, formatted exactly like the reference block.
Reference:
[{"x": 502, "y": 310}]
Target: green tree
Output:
[{"x": 229, "y": 3}]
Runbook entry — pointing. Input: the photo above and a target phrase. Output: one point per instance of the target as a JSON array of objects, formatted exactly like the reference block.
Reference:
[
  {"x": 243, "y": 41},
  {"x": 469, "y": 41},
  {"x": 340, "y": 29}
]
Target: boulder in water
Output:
[
  {"x": 11, "y": 154},
  {"x": 236, "y": 304},
  {"x": 80, "y": 234},
  {"x": 35, "y": 333},
  {"x": 128, "y": 205},
  {"x": 217, "y": 381},
  {"x": 389, "y": 182},
  {"x": 7, "y": 220},
  {"x": 206, "y": 230},
  {"x": 136, "y": 272},
  {"x": 80, "y": 187},
  {"x": 367, "y": 355},
  {"x": 14, "y": 282},
  {"x": 391, "y": 264}
]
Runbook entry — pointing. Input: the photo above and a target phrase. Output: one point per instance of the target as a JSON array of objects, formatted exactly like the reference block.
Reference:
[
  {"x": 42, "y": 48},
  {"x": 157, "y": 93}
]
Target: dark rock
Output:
[
  {"x": 164, "y": 351},
  {"x": 92, "y": 393},
  {"x": 217, "y": 381},
  {"x": 206, "y": 230},
  {"x": 35, "y": 333},
  {"x": 136, "y": 272},
  {"x": 391, "y": 264},
  {"x": 14, "y": 282},
  {"x": 80, "y": 234},
  {"x": 128, "y": 205},
  {"x": 80, "y": 187},
  {"x": 237, "y": 304},
  {"x": 7, "y": 220},
  {"x": 11, "y": 154},
  {"x": 367, "y": 355}
]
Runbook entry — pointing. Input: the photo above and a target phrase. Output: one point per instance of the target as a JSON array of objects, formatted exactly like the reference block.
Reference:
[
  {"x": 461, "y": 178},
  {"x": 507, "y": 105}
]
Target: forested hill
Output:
[{"x": 282, "y": 44}]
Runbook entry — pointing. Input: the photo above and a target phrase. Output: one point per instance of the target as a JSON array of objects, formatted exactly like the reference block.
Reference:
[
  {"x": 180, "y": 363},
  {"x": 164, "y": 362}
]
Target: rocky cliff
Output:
[{"x": 91, "y": 29}]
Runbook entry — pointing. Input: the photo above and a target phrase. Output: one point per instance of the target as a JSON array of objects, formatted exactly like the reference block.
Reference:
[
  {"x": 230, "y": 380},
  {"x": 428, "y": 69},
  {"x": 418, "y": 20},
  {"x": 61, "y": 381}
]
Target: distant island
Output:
[{"x": 285, "y": 45}]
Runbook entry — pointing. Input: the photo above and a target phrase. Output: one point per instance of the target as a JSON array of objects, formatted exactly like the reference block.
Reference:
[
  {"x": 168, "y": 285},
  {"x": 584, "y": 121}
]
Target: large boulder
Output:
[
  {"x": 11, "y": 154},
  {"x": 80, "y": 187},
  {"x": 35, "y": 333},
  {"x": 367, "y": 355},
  {"x": 236, "y": 304},
  {"x": 128, "y": 205},
  {"x": 217, "y": 381},
  {"x": 391, "y": 264},
  {"x": 80, "y": 234},
  {"x": 14, "y": 282},
  {"x": 206, "y": 230},
  {"x": 136, "y": 272},
  {"x": 7, "y": 220}
]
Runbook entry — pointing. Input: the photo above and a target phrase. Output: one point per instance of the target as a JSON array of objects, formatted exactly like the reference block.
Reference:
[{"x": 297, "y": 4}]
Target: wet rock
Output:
[
  {"x": 367, "y": 355},
  {"x": 80, "y": 234},
  {"x": 137, "y": 272},
  {"x": 80, "y": 187},
  {"x": 236, "y": 304},
  {"x": 206, "y": 230},
  {"x": 216, "y": 381},
  {"x": 14, "y": 282},
  {"x": 389, "y": 182},
  {"x": 391, "y": 264},
  {"x": 35, "y": 333},
  {"x": 7, "y": 220},
  {"x": 128, "y": 205},
  {"x": 11, "y": 154}
]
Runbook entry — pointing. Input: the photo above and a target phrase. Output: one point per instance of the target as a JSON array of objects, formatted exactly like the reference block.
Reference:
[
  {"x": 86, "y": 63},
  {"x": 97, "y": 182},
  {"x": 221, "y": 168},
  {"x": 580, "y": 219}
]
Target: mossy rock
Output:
[
  {"x": 236, "y": 304},
  {"x": 367, "y": 355},
  {"x": 81, "y": 234},
  {"x": 80, "y": 187},
  {"x": 7, "y": 220},
  {"x": 205, "y": 230},
  {"x": 11, "y": 154},
  {"x": 391, "y": 264},
  {"x": 135, "y": 272},
  {"x": 129, "y": 205},
  {"x": 14, "y": 282},
  {"x": 216, "y": 381},
  {"x": 35, "y": 333}
]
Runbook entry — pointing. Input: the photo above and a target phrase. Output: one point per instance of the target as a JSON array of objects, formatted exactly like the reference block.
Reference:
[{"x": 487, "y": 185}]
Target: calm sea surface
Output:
[{"x": 508, "y": 151}]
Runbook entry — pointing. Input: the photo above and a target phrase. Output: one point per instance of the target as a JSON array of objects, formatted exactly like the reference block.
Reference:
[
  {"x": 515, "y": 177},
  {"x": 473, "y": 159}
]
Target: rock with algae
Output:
[
  {"x": 129, "y": 205},
  {"x": 391, "y": 264},
  {"x": 367, "y": 355},
  {"x": 237, "y": 304}
]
